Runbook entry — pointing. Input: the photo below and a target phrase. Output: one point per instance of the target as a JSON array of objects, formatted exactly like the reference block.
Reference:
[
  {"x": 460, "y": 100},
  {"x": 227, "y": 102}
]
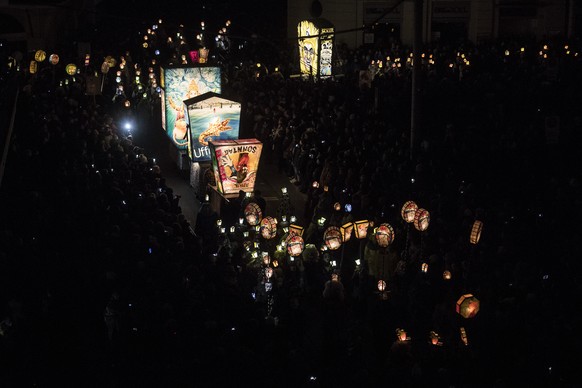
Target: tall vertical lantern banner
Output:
[
  {"x": 315, "y": 39},
  {"x": 179, "y": 84},
  {"x": 235, "y": 164},
  {"x": 210, "y": 117}
]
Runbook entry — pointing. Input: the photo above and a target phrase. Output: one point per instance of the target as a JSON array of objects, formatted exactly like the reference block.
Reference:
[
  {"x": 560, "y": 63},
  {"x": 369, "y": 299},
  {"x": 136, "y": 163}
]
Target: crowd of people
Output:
[{"x": 105, "y": 283}]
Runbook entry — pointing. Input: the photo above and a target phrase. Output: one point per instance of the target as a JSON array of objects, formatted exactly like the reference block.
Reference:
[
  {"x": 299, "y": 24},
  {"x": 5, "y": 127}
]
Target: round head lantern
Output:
[
  {"x": 408, "y": 211},
  {"x": 384, "y": 235},
  {"x": 421, "y": 220}
]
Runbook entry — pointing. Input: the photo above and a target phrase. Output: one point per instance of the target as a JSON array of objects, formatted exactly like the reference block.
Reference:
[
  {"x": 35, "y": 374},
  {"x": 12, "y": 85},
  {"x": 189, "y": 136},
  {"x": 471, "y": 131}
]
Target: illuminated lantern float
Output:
[
  {"x": 315, "y": 39},
  {"x": 235, "y": 164},
  {"x": 210, "y": 117},
  {"x": 467, "y": 306},
  {"x": 180, "y": 83}
]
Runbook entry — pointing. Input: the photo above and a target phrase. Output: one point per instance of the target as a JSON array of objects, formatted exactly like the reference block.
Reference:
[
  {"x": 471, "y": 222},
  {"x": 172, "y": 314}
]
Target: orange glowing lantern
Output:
[
  {"x": 295, "y": 245},
  {"x": 467, "y": 306},
  {"x": 315, "y": 184},
  {"x": 337, "y": 206},
  {"x": 476, "y": 232},
  {"x": 435, "y": 339},
  {"x": 408, "y": 210},
  {"x": 332, "y": 238},
  {"x": 447, "y": 275},
  {"x": 402, "y": 336},
  {"x": 421, "y": 219},
  {"x": 40, "y": 55},
  {"x": 253, "y": 214},
  {"x": 33, "y": 67},
  {"x": 268, "y": 227},
  {"x": 384, "y": 235},
  {"x": 361, "y": 228},
  {"x": 424, "y": 267},
  {"x": 71, "y": 69},
  {"x": 346, "y": 230},
  {"x": 54, "y": 59},
  {"x": 464, "y": 336}
]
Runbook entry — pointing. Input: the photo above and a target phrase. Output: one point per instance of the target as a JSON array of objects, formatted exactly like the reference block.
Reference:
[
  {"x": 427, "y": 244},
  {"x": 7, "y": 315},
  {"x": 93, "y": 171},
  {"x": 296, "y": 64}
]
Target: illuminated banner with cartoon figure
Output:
[
  {"x": 179, "y": 84},
  {"x": 210, "y": 117},
  {"x": 235, "y": 164},
  {"x": 315, "y": 40}
]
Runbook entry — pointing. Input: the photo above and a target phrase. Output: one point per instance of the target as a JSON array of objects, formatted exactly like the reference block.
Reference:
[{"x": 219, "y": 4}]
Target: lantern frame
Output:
[
  {"x": 421, "y": 219},
  {"x": 408, "y": 211},
  {"x": 361, "y": 228},
  {"x": 296, "y": 230},
  {"x": 332, "y": 233},
  {"x": 476, "y": 231},
  {"x": 384, "y": 235}
]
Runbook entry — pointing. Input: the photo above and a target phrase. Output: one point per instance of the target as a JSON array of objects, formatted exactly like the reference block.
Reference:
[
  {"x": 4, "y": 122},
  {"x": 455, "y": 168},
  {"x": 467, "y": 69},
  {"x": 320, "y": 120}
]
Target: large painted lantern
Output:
[
  {"x": 235, "y": 164},
  {"x": 210, "y": 117},
  {"x": 179, "y": 84},
  {"x": 315, "y": 39}
]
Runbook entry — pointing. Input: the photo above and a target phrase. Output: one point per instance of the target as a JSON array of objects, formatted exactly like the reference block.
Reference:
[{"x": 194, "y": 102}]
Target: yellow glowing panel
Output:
[{"x": 308, "y": 47}]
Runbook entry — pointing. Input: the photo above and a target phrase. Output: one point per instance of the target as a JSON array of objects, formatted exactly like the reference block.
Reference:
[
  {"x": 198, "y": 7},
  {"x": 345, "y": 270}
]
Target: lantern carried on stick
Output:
[
  {"x": 346, "y": 230},
  {"x": 253, "y": 214},
  {"x": 408, "y": 211},
  {"x": 295, "y": 245},
  {"x": 384, "y": 235},
  {"x": 40, "y": 55},
  {"x": 332, "y": 238},
  {"x": 402, "y": 336},
  {"x": 361, "y": 229},
  {"x": 268, "y": 227},
  {"x": 421, "y": 219}
]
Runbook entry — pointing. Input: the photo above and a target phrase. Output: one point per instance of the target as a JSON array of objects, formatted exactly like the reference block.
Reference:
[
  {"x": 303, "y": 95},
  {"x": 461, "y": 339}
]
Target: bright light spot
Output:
[{"x": 127, "y": 126}]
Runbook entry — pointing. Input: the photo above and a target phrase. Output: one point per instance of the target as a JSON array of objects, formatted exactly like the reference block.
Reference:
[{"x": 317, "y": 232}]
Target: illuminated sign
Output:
[
  {"x": 210, "y": 117},
  {"x": 179, "y": 84},
  {"x": 315, "y": 40},
  {"x": 235, "y": 164}
]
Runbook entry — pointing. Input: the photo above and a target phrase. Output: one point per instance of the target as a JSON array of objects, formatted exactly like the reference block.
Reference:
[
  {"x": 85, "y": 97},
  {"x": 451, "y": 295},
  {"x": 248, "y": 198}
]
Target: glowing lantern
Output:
[
  {"x": 464, "y": 336},
  {"x": 110, "y": 61},
  {"x": 361, "y": 228},
  {"x": 467, "y": 306},
  {"x": 421, "y": 220},
  {"x": 296, "y": 230},
  {"x": 334, "y": 277},
  {"x": 33, "y": 67},
  {"x": 346, "y": 230},
  {"x": 381, "y": 285},
  {"x": 253, "y": 214},
  {"x": 337, "y": 206},
  {"x": 424, "y": 267},
  {"x": 402, "y": 336},
  {"x": 104, "y": 68},
  {"x": 71, "y": 69},
  {"x": 408, "y": 211},
  {"x": 447, "y": 275},
  {"x": 384, "y": 235},
  {"x": 54, "y": 59},
  {"x": 476, "y": 232},
  {"x": 39, "y": 55},
  {"x": 435, "y": 339},
  {"x": 268, "y": 227},
  {"x": 127, "y": 103},
  {"x": 315, "y": 184},
  {"x": 332, "y": 238},
  {"x": 203, "y": 55},
  {"x": 315, "y": 40},
  {"x": 295, "y": 245}
]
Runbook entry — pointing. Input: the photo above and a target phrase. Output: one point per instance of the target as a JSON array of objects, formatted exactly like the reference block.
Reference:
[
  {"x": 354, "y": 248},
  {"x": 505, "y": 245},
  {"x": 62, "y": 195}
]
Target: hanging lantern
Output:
[
  {"x": 447, "y": 275},
  {"x": 468, "y": 306},
  {"x": 346, "y": 230},
  {"x": 296, "y": 230},
  {"x": 381, "y": 285},
  {"x": 476, "y": 232},
  {"x": 54, "y": 59},
  {"x": 268, "y": 227},
  {"x": 332, "y": 238},
  {"x": 421, "y": 219},
  {"x": 71, "y": 69},
  {"x": 402, "y": 336},
  {"x": 361, "y": 228},
  {"x": 253, "y": 214},
  {"x": 408, "y": 210},
  {"x": 295, "y": 245},
  {"x": 40, "y": 55},
  {"x": 384, "y": 235},
  {"x": 33, "y": 67},
  {"x": 464, "y": 336}
]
